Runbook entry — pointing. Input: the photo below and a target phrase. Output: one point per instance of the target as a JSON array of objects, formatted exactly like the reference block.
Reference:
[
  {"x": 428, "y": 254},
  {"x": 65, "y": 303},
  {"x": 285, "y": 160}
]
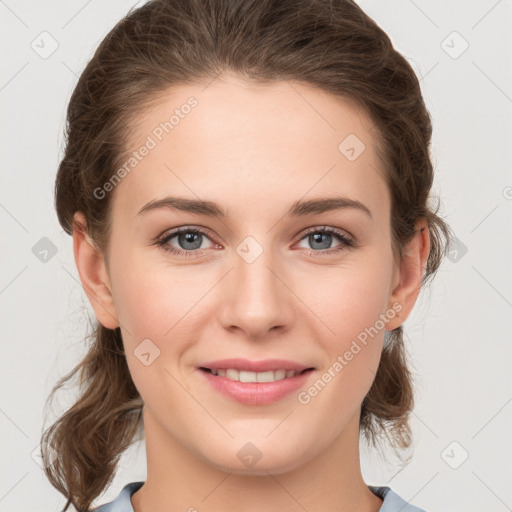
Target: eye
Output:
[
  {"x": 321, "y": 239},
  {"x": 190, "y": 241}
]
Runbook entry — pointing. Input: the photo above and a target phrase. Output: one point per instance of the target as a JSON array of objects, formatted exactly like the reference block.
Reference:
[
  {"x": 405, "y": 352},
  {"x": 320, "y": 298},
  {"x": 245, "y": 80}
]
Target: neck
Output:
[{"x": 178, "y": 479}]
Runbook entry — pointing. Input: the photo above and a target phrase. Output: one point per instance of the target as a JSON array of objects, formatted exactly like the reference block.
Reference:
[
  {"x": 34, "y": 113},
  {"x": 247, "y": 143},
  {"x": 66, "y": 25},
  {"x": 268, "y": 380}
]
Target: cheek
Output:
[
  {"x": 150, "y": 298},
  {"x": 151, "y": 305},
  {"x": 350, "y": 303},
  {"x": 348, "y": 300}
]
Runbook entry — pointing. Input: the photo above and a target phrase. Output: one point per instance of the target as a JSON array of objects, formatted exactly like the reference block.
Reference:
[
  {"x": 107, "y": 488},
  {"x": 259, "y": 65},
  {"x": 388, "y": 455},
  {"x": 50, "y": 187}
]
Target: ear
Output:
[
  {"x": 92, "y": 269},
  {"x": 407, "y": 278}
]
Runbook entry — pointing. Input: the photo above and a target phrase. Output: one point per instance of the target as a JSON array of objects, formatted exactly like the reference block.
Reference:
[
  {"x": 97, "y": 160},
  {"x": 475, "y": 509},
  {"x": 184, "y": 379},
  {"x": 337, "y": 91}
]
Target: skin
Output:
[{"x": 254, "y": 149}]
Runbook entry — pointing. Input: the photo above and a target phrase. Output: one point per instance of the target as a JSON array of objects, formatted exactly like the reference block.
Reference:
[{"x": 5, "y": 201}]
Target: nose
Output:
[{"x": 256, "y": 297}]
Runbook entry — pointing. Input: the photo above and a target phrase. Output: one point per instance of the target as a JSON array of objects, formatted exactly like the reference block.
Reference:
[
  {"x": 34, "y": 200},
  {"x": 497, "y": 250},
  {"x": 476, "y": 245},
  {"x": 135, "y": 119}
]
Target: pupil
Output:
[
  {"x": 190, "y": 238},
  {"x": 317, "y": 237}
]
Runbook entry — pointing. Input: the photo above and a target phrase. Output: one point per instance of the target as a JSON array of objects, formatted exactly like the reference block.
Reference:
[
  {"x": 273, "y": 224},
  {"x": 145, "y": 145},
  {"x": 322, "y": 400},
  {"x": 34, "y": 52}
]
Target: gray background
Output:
[{"x": 458, "y": 335}]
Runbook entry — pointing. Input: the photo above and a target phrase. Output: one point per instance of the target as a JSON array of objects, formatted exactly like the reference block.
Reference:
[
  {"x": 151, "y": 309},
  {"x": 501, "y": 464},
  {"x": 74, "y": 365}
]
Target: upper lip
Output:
[{"x": 255, "y": 366}]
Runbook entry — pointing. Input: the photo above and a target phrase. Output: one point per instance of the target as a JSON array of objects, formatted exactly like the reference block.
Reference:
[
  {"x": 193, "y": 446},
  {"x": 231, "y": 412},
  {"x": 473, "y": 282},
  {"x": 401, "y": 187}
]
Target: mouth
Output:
[
  {"x": 235, "y": 374},
  {"x": 255, "y": 382}
]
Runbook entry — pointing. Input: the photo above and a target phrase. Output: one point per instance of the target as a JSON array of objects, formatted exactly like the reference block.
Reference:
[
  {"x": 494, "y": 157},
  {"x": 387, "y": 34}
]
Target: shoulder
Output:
[
  {"x": 122, "y": 501},
  {"x": 392, "y": 502}
]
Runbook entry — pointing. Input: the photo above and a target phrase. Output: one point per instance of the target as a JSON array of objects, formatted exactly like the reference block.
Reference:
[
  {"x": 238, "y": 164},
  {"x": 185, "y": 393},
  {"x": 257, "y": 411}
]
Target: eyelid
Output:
[
  {"x": 176, "y": 231},
  {"x": 327, "y": 229}
]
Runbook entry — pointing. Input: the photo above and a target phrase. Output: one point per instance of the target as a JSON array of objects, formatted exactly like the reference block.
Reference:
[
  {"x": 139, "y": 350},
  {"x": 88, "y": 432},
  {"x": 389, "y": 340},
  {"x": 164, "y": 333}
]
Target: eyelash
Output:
[{"x": 346, "y": 242}]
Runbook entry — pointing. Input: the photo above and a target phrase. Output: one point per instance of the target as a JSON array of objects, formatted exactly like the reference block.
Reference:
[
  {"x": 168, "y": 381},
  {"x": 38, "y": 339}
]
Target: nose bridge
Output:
[{"x": 258, "y": 299}]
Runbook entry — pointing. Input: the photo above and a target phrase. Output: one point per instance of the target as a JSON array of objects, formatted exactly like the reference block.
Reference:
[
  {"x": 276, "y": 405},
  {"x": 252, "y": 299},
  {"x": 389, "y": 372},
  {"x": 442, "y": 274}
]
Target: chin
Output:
[{"x": 255, "y": 459}]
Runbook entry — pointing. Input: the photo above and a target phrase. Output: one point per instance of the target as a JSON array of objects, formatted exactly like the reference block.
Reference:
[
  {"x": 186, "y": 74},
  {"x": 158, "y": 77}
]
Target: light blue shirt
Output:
[{"x": 392, "y": 502}]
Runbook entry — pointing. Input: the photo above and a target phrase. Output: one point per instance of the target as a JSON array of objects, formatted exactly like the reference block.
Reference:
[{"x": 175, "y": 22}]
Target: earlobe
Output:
[
  {"x": 410, "y": 274},
  {"x": 92, "y": 269}
]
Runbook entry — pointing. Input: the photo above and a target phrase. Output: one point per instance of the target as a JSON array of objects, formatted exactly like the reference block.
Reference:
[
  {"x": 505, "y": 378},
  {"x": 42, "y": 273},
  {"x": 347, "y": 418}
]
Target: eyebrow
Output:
[{"x": 298, "y": 208}]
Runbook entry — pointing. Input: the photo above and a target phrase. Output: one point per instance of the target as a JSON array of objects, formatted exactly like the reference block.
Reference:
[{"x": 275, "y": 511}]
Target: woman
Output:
[{"x": 247, "y": 186}]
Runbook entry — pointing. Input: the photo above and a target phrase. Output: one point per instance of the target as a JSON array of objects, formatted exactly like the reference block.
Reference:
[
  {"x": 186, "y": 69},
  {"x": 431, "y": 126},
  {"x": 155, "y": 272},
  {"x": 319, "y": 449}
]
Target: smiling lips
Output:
[
  {"x": 244, "y": 370},
  {"x": 255, "y": 382}
]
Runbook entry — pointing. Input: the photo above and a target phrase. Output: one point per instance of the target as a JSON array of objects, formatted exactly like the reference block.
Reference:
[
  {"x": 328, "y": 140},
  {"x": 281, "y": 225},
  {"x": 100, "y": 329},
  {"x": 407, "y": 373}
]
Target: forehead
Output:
[{"x": 237, "y": 142}]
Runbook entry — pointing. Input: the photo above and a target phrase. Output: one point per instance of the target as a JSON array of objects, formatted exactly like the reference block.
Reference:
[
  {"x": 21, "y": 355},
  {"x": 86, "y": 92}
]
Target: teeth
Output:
[{"x": 243, "y": 376}]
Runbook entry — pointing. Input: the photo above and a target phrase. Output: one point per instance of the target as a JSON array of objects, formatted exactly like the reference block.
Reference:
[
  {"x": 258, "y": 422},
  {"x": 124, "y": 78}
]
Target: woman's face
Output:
[{"x": 261, "y": 282}]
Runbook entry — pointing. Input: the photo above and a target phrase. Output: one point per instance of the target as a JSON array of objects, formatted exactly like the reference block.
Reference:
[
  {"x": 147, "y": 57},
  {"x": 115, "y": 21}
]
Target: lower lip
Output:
[{"x": 256, "y": 393}]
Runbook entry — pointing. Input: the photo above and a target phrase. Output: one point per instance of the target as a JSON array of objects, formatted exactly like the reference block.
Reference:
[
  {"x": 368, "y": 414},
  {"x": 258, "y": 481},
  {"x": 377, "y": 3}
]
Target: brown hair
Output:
[{"x": 330, "y": 44}]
